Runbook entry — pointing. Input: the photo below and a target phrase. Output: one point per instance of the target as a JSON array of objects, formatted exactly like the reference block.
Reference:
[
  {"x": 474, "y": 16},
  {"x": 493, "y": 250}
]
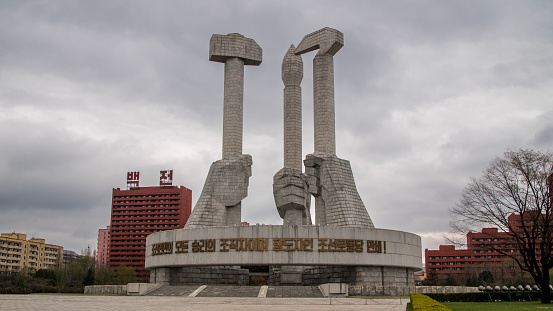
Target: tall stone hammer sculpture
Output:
[
  {"x": 330, "y": 179},
  {"x": 228, "y": 179}
]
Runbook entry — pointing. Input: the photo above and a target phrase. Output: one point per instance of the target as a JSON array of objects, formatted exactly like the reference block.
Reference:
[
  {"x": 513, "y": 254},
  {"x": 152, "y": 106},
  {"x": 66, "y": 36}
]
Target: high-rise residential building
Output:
[
  {"x": 140, "y": 211},
  {"x": 102, "y": 252},
  {"x": 17, "y": 253}
]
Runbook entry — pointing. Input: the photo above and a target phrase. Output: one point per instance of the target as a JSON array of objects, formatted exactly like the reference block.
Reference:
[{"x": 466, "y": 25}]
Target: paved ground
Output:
[{"x": 163, "y": 303}]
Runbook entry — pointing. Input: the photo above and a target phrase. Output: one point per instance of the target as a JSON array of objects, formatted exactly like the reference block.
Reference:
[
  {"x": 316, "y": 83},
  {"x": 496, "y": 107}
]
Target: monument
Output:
[
  {"x": 342, "y": 246},
  {"x": 227, "y": 181}
]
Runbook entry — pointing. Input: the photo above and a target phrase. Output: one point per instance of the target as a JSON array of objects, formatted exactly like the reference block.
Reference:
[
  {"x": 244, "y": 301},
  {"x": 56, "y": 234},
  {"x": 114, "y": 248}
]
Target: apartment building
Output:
[
  {"x": 19, "y": 254},
  {"x": 484, "y": 251},
  {"x": 138, "y": 212}
]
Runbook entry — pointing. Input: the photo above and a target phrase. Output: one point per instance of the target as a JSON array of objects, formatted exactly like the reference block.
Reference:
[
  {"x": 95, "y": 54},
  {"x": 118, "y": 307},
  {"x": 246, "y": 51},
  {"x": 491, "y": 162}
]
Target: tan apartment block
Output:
[{"x": 17, "y": 253}]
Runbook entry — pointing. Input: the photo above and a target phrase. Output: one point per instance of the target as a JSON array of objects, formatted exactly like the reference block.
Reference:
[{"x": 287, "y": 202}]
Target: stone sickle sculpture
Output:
[{"x": 330, "y": 179}]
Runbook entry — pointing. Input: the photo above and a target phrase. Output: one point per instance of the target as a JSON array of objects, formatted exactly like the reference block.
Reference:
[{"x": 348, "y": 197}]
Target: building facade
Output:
[
  {"x": 19, "y": 254},
  {"x": 138, "y": 212},
  {"x": 70, "y": 256},
  {"x": 484, "y": 251},
  {"x": 102, "y": 252}
]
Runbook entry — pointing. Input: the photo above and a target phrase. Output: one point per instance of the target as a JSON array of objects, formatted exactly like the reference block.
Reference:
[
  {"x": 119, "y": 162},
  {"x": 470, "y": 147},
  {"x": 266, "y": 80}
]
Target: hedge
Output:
[
  {"x": 421, "y": 302},
  {"x": 486, "y": 296}
]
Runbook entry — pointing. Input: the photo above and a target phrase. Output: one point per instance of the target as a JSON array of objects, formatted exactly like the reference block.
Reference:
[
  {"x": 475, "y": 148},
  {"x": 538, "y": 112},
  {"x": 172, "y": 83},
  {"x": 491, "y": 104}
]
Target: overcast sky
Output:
[{"x": 427, "y": 94}]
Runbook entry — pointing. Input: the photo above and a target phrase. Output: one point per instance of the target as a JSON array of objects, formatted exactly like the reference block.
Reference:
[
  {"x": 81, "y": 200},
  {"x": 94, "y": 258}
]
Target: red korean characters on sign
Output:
[
  {"x": 166, "y": 178},
  {"x": 133, "y": 179}
]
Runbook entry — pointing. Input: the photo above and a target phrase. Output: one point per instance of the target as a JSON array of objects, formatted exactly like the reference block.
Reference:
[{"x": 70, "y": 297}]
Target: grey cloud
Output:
[{"x": 99, "y": 88}]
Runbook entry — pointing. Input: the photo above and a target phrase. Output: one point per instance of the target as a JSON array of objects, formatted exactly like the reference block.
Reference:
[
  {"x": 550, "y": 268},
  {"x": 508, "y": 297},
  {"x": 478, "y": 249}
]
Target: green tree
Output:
[
  {"x": 449, "y": 281},
  {"x": 486, "y": 278},
  {"x": 72, "y": 277},
  {"x": 472, "y": 280},
  {"x": 125, "y": 275},
  {"x": 520, "y": 182},
  {"x": 104, "y": 276},
  {"x": 89, "y": 277},
  {"x": 47, "y": 274},
  {"x": 431, "y": 279}
]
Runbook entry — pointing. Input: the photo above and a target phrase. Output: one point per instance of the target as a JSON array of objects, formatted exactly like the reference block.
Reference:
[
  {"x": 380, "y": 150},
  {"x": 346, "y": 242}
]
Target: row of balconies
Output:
[
  {"x": 144, "y": 215},
  {"x": 450, "y": 263},
  {"x": 127, "y": 245},
  {"x": 129, "y": 231},
  {"x": 445, "y": 269},
  {"x": 126, "y": 252},
  {"x": 448, "y": 257},
  {"x": 120, "y": 238},
  {"x": 119, "y": 207},
  {"x": 8, "y": 255},
  {"x": 129, "y": 228},
  {"x": 139, "y": 209},
  {"x": 140, "y": 200},
  {"x": 122, "y": 223},
  {"x": 13, "y": 250},
  {"x": 129, "y": 236},
  {"x": 8, "y": 243},
  {"x": 145, "y": 222},
  {"x": 132, "y": 258},
  {"x": 135, "y": 204},
  {"x": 491, "y": 239},
  {"x": 146, "y": 196}
]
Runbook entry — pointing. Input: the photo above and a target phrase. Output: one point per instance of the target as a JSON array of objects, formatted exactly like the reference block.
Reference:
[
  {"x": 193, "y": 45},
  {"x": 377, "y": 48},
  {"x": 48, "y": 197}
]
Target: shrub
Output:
[
  {"x": 486, "y": 296},
  {"x": 421, "y": 302}
]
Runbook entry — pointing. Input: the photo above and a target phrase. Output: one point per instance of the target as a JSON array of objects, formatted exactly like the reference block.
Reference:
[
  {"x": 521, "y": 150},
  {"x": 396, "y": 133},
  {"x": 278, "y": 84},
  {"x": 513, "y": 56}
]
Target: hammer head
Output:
[
  {"x": 222, "y": 47},
  {"x": 327, "y": 40}
]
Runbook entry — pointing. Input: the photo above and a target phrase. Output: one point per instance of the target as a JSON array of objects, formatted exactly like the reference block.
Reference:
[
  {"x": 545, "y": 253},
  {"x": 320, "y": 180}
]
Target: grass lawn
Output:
[{"x": 499, "y": 305}]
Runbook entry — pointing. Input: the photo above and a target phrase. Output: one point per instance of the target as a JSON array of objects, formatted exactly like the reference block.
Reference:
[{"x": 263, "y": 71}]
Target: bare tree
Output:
[{"x": 519, "y": 183}]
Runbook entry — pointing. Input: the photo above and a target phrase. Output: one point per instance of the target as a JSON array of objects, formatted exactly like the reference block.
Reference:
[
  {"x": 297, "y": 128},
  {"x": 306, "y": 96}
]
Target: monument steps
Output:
[
  {"x": 239, "y": 291},
  {"x": 181, "y": 290}
]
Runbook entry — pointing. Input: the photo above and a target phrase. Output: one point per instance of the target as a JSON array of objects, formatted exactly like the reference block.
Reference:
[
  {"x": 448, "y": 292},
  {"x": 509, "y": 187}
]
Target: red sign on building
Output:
[
  {"x": 133, "y": 179},
  {"x": 166, "y": 178}
]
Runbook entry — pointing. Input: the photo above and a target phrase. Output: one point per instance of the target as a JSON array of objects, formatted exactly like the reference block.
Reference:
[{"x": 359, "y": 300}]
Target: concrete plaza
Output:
[{"x": 57, "y": 302}]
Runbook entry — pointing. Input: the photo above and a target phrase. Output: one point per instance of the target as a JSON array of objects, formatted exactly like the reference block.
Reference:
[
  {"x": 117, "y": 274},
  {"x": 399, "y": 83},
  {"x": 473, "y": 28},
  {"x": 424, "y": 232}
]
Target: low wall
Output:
[
  {"x": 106, "y": 289},
  {"x": 367, "y": 290}
]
